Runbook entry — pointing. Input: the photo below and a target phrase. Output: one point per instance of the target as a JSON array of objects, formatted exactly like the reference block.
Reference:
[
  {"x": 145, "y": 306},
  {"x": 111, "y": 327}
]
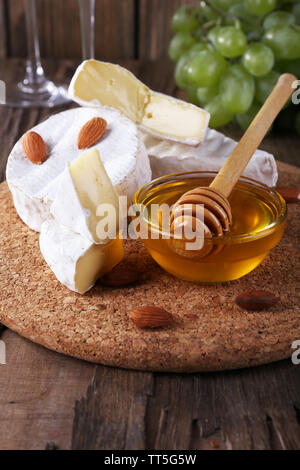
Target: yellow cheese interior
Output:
[
  {"x": 112, "y": 85},
  {"x": 93, "y": 188},
  {"x": 97, "y": 261},
  {"x": 167, "y": 116}
]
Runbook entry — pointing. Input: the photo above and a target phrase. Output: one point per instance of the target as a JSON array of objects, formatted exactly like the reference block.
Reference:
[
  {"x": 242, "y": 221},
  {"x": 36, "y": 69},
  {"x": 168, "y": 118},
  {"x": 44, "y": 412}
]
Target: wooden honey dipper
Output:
[{"x": 217, "y": 216}]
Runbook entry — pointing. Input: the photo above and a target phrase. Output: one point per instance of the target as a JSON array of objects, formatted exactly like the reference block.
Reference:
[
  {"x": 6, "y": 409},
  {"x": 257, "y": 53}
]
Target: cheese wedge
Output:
[
  {"x": 123, "y": 154},
  {"x": 76, "y": 262},
  {"x": 84, "y": 187},
  {"x": 98, "y": 83}
]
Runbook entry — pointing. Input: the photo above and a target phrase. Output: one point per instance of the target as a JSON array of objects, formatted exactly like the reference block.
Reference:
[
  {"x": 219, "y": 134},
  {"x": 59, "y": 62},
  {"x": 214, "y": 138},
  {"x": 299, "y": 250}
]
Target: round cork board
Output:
[{"x": 210, "y": 332}]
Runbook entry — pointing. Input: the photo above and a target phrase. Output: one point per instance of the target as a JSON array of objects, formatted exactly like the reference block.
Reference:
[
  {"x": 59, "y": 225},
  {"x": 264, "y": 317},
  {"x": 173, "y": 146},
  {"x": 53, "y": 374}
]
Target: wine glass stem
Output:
[
  {"x": 35, "y": 77},
  {"x": 87, "y": 20}
]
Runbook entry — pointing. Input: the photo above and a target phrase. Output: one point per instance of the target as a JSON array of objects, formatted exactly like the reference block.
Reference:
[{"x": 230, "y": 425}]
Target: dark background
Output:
[{"x": 125, "y": 29}]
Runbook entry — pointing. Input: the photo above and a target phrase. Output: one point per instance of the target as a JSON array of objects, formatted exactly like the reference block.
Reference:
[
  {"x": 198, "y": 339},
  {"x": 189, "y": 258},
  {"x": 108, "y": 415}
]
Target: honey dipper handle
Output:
[{"x": 239, "y": 159}]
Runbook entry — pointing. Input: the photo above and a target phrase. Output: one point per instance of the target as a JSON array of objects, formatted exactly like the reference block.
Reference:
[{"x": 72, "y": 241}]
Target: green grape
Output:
[
  {"x": 258, "y": 59},
  {"x": 224, "y": 5},
  {"x": 290, "y": 66},
  {"x": 212, "y": 34},
  {"x": 180, "y": 71},
  {"x": 284, "y": 2},
  {"x": 264, "y": 86},
  {"x": 260, "y": 7},
  {"x": 219, "y": 115},
  {"x": 239, "y": 11},
  {"x": 231, "y": 42},
  {"x": 208, "y": 13},
  {"x": 278, "y": 18},
  {"x": 198, "y": 47},
  {"x": 206, "y": 68},
  {"x": 244, "y": 120},
  {"x": 284, "y": 40},
  {"x": 198, "y": 34},
  {"x": 179, "y": 44},
  {"x": 297, "y": 122},
  {"x": 205, "y": 95},
  {"x": 181, "y": 66},
  {"x": 254, "y": 34},
  {"x": 185, "y": 19},
  {"x": 296, "y": 12},
  {"x": 192, "y": 94},
  {"x": 249, "y": 24},
  {"x": 237, "y": 89}
]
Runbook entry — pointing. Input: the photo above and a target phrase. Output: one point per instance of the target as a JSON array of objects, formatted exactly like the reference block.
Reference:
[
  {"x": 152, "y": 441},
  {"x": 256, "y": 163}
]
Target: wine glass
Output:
[
  {"x": 35, "y": 90},
  {"x": 87, "y": 21}
]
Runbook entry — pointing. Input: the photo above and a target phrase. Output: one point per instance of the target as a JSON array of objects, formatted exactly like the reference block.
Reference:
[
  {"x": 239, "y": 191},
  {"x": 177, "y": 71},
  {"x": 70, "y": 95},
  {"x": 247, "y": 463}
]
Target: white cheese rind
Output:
[
  {"x": 34, "y": 186},
  {"x": 167, "y": 157},
  {"x": 65, "y": 251},
  {"x": 102, "y": 83}
]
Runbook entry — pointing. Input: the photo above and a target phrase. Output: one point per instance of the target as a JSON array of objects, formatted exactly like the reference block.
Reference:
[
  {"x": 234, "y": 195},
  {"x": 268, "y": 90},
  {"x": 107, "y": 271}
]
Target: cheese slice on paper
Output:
[
  {"x": 169, "y": 157},
  {"x": 84, "y": 187},
  {"x": 98, "y": 83},
  {"x": 123, "y": 154},
  {"x": 76, "y": 262}
]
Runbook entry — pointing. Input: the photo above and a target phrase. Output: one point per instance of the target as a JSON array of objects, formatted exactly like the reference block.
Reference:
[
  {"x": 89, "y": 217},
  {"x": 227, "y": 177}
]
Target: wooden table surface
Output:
[{"x": 51, "y": 401}]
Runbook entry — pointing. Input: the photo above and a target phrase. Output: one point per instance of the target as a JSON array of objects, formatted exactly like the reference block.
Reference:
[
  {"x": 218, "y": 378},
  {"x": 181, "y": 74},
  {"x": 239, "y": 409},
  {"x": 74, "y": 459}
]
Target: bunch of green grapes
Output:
[{"x": 230, "y": 53}]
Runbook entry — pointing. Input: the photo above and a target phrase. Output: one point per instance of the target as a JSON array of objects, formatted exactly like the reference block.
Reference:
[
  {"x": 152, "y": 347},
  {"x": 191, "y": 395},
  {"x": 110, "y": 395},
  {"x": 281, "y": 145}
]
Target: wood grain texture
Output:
[
  {"x": 16, "y": 30},
  {"x": 59, "y": 29},
  {"x": 99, "y": 418},
  {"x": 37, "y": 395},
  {"x": 3, "y": 30},
  {"x": 155, "y": 26},
  {"x": 115, "y": 29},
  {"x": 247, "y": 409},
  {"x": 124, "y": 29}
]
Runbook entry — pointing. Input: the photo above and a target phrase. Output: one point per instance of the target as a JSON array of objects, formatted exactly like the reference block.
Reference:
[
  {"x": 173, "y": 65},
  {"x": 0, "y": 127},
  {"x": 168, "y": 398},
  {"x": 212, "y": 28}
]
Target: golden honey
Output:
[{"x": 259, "y": 215}]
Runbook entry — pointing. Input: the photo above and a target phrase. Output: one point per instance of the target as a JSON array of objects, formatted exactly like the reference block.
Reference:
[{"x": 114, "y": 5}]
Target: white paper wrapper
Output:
[{"x": 168, "y": 157}]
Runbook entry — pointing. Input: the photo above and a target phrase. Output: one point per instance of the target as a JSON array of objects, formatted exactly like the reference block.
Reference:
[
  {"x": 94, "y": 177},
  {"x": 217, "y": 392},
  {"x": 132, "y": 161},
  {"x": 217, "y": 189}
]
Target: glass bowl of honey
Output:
[{"x": 259, "y": 216}]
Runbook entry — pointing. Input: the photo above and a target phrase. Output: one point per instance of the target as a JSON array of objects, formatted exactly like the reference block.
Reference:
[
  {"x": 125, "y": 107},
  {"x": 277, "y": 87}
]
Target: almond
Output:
[
  {"x": 34, "y": 147},
  {"x": 91, "y": 132},
  {"x": 256, "y": 300},
  {"x": 119, "y": 278},
  {"x": 150, "y": 317},
  {"x": 290, "y": 195}
]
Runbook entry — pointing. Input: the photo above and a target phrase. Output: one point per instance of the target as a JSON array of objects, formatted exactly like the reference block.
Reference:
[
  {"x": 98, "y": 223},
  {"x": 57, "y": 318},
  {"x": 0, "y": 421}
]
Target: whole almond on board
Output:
[
  {"x": 256, "y": 300},
  {"x": 290, "y": 195},
  {"x": 91, "y": 132},
  {"x": 120, "y": 278},
  {"x": 150, "y": 317},
  {"x": 34, "y": 147}
]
